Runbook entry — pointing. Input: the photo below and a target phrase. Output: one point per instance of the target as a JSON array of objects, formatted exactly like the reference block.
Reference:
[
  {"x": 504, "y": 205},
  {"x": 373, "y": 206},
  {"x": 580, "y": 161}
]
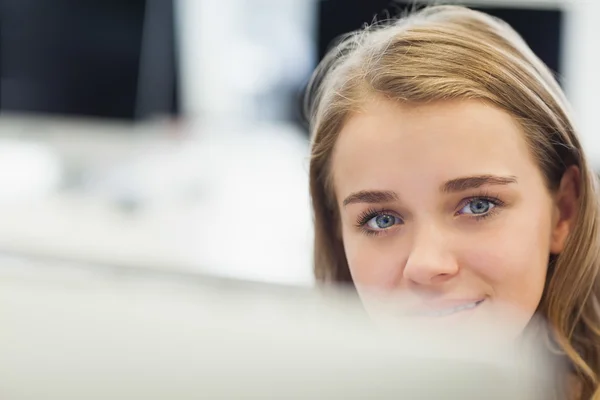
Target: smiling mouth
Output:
[{"x": 453, "y": 310}]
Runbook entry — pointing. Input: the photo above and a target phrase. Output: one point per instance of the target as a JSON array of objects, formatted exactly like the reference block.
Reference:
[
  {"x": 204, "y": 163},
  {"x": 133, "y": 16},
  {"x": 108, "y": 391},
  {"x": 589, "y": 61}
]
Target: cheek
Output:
[
  {"x": 373, "y": 262},
  {"x": 513, "y": 259}
]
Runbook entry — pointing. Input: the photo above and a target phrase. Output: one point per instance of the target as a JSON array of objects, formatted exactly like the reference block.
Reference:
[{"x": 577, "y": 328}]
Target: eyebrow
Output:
[
  {"x": 452, "y": 186},
  {"x": 473, "y": 182},
  {"x": 371, "y": 196}
]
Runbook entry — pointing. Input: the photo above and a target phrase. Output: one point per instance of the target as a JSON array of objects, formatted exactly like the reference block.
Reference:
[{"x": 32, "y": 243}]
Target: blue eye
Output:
[
  {"x": 382, "y": 222},
  {"x": 477, "y": 207}
]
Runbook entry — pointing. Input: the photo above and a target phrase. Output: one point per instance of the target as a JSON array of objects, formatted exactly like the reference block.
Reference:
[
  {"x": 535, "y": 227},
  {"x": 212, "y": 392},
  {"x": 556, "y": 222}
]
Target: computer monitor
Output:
[
  {"x": 78, "y": 332},
  {"x": 100, "y": 58},
  {"x": 541, "y": 27}
]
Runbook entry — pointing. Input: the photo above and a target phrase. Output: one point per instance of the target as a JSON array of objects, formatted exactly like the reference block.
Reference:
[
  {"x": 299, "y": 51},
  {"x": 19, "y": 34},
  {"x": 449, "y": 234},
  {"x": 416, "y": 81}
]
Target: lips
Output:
[{"x": 445, "y": 310}]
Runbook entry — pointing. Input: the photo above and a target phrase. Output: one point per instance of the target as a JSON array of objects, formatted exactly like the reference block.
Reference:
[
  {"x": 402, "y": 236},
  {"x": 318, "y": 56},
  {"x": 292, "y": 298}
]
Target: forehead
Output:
[{"x": 388, "y": 143}]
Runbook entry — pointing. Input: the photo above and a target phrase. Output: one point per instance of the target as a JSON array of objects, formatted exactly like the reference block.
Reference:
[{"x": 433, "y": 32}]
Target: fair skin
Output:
[{"x": 444, "y": 204}]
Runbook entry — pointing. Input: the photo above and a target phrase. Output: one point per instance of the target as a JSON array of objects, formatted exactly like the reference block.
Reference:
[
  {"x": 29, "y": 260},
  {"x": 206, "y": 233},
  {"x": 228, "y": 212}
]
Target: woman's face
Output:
[{"x": 444, "y": 205}]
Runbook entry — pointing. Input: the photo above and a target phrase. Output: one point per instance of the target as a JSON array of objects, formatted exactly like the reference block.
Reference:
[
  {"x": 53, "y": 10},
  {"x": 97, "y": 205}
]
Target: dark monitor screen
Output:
[
  {"x": 541, "y": 28},
  {"x": 79, "y": 58}
]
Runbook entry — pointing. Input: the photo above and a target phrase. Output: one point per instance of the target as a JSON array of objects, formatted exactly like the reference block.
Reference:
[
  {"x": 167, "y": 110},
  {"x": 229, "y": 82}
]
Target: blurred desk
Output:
[{"x": 222, "y": 199}]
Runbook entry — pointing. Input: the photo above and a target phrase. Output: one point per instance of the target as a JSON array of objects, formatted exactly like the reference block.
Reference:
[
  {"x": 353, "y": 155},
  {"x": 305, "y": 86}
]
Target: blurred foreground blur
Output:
[{"x": 92, "y": 334}]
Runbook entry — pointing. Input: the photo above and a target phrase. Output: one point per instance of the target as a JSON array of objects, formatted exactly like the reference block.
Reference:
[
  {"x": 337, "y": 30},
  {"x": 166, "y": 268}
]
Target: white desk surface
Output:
[{"x": 222, "y": 199}]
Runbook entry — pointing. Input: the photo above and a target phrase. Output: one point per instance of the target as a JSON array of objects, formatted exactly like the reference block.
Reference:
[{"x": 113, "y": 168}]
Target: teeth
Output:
[{"x": 443, "y": 313}]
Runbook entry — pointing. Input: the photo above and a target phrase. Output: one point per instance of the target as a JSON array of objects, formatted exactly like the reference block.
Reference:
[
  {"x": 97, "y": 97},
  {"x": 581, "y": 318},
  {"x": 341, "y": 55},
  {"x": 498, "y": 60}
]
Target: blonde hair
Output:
[{"x": 451, "y": 52}]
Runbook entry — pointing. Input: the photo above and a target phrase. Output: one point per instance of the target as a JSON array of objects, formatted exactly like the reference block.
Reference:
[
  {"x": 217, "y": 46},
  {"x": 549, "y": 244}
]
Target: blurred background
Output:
[{"x": 167, "y": 135}]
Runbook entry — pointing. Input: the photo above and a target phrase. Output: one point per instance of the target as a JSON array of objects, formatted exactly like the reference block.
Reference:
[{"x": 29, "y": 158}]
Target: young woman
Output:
[{"x": 445, "y": 167}]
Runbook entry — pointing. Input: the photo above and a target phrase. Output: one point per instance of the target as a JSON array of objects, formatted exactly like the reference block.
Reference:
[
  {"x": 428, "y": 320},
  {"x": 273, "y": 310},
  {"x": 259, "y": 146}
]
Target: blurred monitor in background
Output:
[
  {"x": 540, "y": 27},
  {"x": 118, "y": 59},
  {"x": 88, "y": 58}
]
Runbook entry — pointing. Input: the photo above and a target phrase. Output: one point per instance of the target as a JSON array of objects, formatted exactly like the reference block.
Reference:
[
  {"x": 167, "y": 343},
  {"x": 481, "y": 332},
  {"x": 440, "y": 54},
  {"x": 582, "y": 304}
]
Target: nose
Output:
[{"x": 430, "y": 260}]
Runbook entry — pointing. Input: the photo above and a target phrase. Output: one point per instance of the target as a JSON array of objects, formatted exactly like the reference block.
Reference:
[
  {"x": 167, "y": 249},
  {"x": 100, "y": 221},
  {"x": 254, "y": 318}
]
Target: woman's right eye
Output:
[{"x": 382, "y": 222}]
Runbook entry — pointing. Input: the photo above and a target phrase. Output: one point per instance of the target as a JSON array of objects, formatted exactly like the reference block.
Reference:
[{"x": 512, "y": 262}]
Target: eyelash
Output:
[{"x": 368, "y": 214}]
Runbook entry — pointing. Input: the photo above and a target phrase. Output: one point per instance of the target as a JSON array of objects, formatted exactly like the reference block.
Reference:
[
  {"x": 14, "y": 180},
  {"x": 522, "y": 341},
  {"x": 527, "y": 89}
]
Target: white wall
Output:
[
  {"x": 232, "y": 51},
  {"x": 581, "y": 62}
]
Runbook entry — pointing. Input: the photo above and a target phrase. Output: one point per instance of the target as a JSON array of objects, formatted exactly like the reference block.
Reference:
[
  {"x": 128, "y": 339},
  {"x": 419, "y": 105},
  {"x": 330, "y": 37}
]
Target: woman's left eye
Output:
[{"x": 477, "y": 207}]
